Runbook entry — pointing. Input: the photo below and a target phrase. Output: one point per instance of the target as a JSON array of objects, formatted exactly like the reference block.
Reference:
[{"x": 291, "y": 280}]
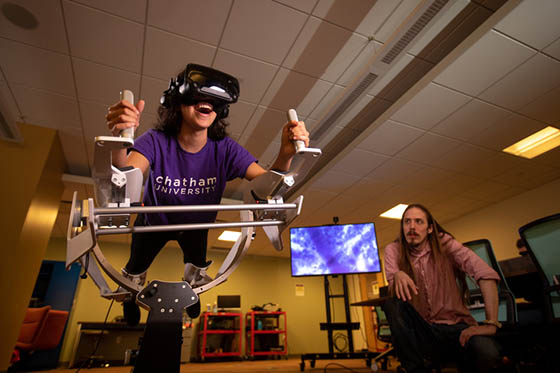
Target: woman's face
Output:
[{"x": 199, "y": 116}]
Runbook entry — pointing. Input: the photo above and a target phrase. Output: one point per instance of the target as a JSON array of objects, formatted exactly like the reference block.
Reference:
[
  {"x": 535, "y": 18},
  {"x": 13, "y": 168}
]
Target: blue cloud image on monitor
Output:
[{"x": 334, "y": 249}]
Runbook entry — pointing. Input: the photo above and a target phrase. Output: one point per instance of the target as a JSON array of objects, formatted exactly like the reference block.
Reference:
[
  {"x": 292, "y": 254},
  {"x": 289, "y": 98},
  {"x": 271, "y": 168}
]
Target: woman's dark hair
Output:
[
  {"x": 170, "y": 119},
  {"x": 437, "y": 250}
]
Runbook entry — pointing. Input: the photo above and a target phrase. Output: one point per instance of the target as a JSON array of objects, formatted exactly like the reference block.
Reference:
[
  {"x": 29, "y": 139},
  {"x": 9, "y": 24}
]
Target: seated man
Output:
[{"x": 428, "y": 316}]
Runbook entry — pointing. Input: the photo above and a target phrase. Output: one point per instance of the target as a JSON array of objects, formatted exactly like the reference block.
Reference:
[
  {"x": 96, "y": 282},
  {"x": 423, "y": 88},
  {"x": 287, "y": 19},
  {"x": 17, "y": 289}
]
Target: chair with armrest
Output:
[
  {"x": 383, "y": 335},
  {"x": 507, "y": 308},
  {"x": 42, "y": 329},
  {"x": 542, "y": 240}
]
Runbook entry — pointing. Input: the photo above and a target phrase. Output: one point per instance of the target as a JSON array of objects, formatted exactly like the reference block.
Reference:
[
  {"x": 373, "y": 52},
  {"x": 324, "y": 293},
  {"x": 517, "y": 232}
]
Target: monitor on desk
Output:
[
  {"x": 334, "y": 250},
  {"x": 228, "y": 302}
]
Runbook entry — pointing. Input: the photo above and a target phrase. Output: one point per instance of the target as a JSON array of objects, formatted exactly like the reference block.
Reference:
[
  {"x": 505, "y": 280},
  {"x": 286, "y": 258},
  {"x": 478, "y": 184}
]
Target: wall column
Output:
[{"x": 30, "y": 195}]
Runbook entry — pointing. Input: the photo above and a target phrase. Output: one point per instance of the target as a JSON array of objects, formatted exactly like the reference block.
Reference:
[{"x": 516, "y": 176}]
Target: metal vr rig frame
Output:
[{"x": 117, "y": 193}]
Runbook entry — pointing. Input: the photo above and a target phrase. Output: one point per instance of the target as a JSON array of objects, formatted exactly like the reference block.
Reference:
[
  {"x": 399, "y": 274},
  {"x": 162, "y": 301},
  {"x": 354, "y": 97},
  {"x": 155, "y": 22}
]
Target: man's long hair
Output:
[
  {"x": 438, "y": 252},
  {"x": 170, "y": 119}
]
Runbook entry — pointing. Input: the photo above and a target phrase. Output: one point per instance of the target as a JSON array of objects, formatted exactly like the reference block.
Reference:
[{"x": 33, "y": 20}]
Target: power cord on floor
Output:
[
  {"x": 339, "y": 365},
  {"x": 91, "y": 358}
]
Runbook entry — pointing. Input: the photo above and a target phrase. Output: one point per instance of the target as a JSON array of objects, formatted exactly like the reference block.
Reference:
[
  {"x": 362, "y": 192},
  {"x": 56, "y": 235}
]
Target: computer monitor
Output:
[
  {"x": 334, "y": 250},
  {"x": 227, "y": 302}
]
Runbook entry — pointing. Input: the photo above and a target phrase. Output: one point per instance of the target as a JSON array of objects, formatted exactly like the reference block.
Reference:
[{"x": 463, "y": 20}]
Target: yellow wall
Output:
[
  {"x": 30, "y": 196},
  {"x": 258, "y": 280},
  {"x": 500, "y": 222}
]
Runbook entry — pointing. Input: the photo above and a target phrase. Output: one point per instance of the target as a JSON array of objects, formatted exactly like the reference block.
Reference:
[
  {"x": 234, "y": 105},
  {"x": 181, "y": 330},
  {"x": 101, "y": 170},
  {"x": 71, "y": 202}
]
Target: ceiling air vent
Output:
[
  {"x": 414, "y": 30},
  {"x": 348, "y": 101}
]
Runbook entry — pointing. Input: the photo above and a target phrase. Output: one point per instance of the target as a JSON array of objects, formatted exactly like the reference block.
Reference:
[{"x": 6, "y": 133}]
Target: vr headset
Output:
[{"x": 201, "y": 83}]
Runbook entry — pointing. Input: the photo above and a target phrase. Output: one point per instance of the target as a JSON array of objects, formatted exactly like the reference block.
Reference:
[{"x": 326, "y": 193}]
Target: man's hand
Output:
[
  {"x": 467, "y": 333},
  {"x": 404, "y": 286}
]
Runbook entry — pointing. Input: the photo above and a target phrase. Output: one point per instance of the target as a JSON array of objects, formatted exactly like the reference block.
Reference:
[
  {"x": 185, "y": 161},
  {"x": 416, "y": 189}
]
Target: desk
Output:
[
  {"x": 373, "y": 302},
  {"x": 522, "y": 278}
]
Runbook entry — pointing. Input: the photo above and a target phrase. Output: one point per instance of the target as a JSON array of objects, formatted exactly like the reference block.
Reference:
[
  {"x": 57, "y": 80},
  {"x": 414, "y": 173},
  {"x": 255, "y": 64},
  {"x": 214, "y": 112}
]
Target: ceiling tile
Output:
[
  {"x": 470, "y": 120},
  {"x": 151, "y": 92},
  {"x": 545, "y": 108},
  {"x": 254, "y": 76},
  {"x": 335, "y": 182},
  {"x": 368, "y": 14},
  {"x": 324, "y": 50},
  {"x": 290, "y": 89},
  {"x": 530, "y": 175},
  {"x": 326, "y": 102},
  {"x": 359, "y": 162},
  {"x": 8, "y": 102},
  {"x": 271, "y": 45},
  {"x": 492, "y": 166},
  {"x": 553, "y": 49},
  {"x": 20, "y": 65},
  {"x": 474, "y": 70},
  {"x": 463, "y": 157},
  {"x": 167, "y": 54},
  {"x": 303, "y": 5},
  {"x": 47, "y": 109},
  {"x": 506, "y": 132},
  {"x": 341, "y": 205},
  {"x": 488, "y": 191},
  {"x": 106, "y": 90},
  {"x": 428, "y": 148},
  {"x": 199, "y": 20},
  {"x": 94, "y": 123},
  {"x": 73, "y": 147},
  {"x": 262, "y": 129},
  {"x": 367, "y": 187},
  {"x": 431, "y": 105},
  {"x": 441, "y": 181},
  {"x": 239, "y": 115},
  {"x": 49, "y": 33},
  {"x": 395, "y": 171},
  {"x": 536, "y": 76},
  {"x": 533, "y": 22},
  {"x": 104, "y": 38},
  {"x": 315, "y": 198},
  {"x": 132, "y": 9},
  {"x": 550, "y": 158},
  {"x": 354, "y": 72}
]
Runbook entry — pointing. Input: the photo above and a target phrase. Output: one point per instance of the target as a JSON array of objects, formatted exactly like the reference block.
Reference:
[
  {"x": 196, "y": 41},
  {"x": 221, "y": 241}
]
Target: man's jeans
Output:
[{"x": 418, "y": 343}]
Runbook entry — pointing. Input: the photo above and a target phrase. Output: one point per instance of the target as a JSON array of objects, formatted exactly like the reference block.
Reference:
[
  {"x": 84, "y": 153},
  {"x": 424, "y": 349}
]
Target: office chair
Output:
[
  {"x": 521, "y": 342},
  {"x": 507, "y": 308},
  {"x": 384, "y": 335},
  {"x": 542, "y": 240}
]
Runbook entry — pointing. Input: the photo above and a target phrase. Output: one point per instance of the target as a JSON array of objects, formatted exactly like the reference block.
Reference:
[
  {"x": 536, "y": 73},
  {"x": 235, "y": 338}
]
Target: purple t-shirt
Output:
[{"x": 178, "y": 177}]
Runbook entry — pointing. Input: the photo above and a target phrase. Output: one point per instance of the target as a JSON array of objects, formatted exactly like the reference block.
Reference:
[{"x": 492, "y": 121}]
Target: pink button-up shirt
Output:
[{"x": 439, "y": 299}]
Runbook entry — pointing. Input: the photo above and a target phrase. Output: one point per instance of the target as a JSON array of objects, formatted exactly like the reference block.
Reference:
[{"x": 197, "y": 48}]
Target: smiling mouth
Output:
[{"x": 204, "y": 108}]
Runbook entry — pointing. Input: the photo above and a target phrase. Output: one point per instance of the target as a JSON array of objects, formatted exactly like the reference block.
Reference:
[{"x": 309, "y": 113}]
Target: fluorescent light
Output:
[
  {"x": 395, "y": 213},
  {"x": 229, "y": 236},
  {"x": 536, "y": 144}
]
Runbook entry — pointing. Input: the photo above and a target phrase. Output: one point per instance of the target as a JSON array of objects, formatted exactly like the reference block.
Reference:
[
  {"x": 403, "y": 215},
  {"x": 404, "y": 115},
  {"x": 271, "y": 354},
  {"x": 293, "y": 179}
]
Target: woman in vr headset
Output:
[{"x": 190, "y": 158}]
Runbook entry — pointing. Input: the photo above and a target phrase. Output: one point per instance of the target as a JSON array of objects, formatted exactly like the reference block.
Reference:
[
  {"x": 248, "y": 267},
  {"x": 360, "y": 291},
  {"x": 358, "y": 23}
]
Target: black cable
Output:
[
  {"x": 90, "y": 359},
  {"x": 338, "y": 336},
  {"x": 340, "y": 365}
]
